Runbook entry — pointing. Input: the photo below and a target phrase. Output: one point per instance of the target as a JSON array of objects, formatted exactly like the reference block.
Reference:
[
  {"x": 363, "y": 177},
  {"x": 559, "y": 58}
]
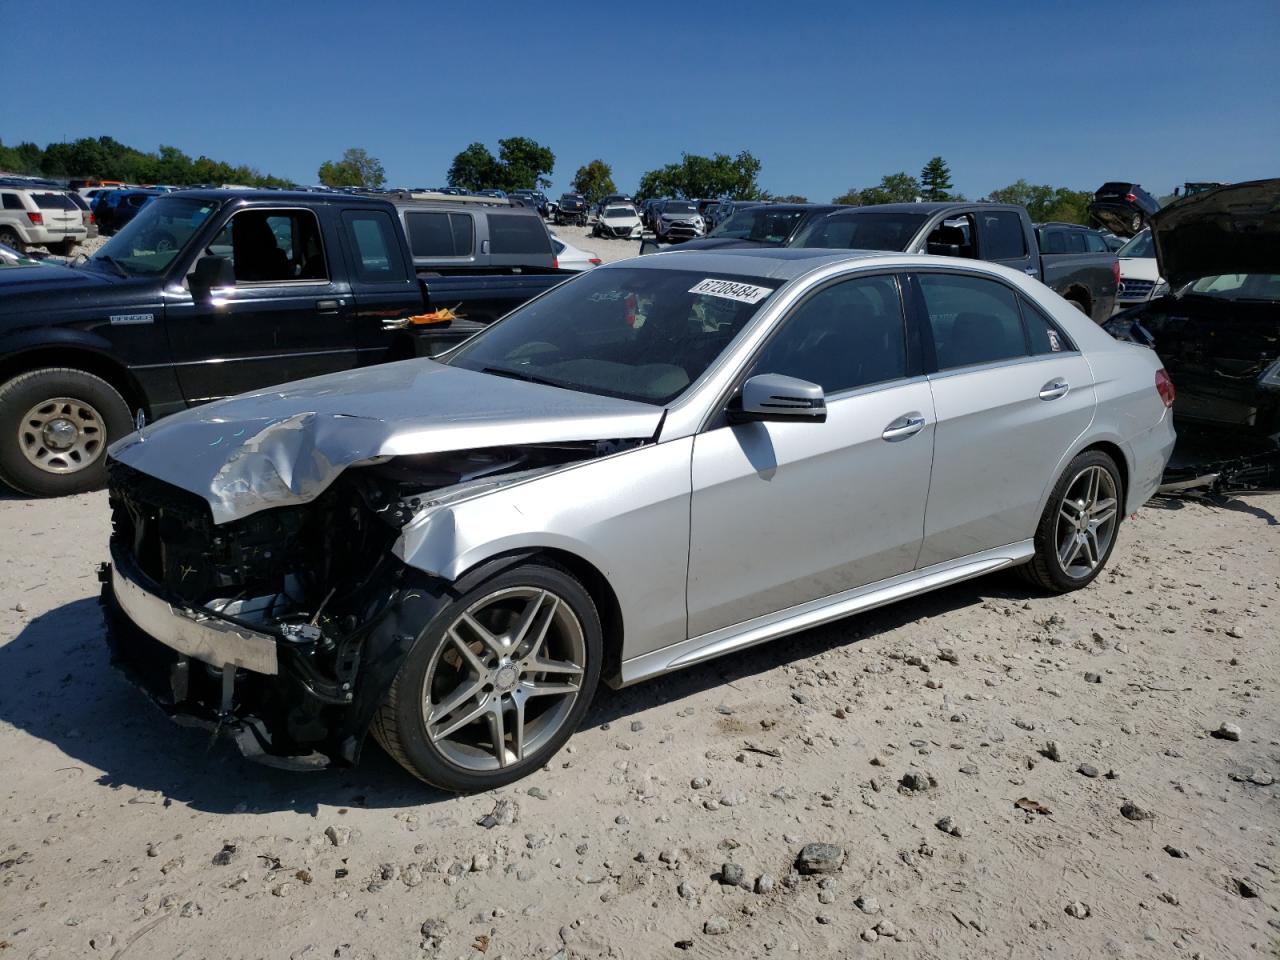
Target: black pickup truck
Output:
[
  {"x": 1002, "y": 233},
  {"x": 210, "y": 293}
]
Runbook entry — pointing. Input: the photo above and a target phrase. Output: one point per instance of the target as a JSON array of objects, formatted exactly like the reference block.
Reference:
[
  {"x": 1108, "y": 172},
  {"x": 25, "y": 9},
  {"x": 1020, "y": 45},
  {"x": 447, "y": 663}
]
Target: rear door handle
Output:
[
  {"x": 908, "y": 425},
  {"x": 1054, "y": 389},
  {"x": 326, "y": 306}
]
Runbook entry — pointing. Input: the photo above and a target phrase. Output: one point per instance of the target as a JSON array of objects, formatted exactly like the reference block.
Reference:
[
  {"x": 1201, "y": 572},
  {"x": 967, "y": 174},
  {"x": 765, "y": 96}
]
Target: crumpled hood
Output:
[
  {"x": 1233, "y": 229},
  {"x": 287, "y": 444}
]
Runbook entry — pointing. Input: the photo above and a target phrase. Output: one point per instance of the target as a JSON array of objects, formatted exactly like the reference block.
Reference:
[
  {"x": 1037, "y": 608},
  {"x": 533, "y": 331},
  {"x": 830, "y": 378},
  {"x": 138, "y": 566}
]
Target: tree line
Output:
[{"x": 522, "y": 163}]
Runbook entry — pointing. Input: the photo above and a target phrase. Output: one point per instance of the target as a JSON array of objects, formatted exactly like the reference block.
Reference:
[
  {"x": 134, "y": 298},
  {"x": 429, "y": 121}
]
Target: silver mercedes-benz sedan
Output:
[{"x": 661, "y": 461}]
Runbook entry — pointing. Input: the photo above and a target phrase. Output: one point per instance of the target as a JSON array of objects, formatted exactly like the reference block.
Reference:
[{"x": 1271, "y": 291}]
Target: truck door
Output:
[
  {"x": 383, "y": 283},
  {"x": 286, "y": 317}
]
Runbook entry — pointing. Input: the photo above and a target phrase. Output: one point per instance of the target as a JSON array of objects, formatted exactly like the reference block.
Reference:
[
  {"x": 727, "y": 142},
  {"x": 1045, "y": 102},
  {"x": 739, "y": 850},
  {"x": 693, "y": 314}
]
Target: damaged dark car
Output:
[{"x": 1218, "y": 333}]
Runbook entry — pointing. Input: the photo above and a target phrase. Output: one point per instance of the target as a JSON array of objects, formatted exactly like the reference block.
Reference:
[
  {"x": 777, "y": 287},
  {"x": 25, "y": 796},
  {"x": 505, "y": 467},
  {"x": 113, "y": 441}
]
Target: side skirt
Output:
[{"x": 817, "y": 612}]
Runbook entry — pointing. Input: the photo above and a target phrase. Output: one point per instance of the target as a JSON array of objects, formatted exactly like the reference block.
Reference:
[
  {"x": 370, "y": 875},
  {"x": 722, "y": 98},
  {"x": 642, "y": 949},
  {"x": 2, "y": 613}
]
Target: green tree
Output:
[
  {"x": 474, "y": 168},
  {"x": 935, "y": 180},
  {"x": 355, "y": 169},
  {"x": 893, "y": 188},
  {"x": 1044, "y": 202},
  {"x": 524, "y": 164},
  {"x": 695, "y": 176},
  {"x": 788, "y": 198},
  {"x": 594, "y": 181}
]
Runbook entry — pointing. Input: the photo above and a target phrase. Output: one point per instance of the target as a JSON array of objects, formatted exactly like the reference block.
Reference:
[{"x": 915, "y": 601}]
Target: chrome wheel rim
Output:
[
  {"x": 62, "y": 435},
  {"x": 1087, "y": 521},
  {"x": 505, "y": 679}
]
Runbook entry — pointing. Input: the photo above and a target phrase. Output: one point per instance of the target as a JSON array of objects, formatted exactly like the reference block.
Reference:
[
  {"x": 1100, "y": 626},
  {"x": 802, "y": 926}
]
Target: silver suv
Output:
[{"x": 40, "y": 217}]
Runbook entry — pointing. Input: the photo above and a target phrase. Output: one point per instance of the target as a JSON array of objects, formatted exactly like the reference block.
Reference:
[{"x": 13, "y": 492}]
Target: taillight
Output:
[
  {"x": 1131, "y": 197},
  {"x": 36, "y": 218},
  {"x": 555, "y": 263},
  {"x": 1115, "y": 272},
  {"x": 595, "y": 261},
  {"x": 91, "y": 219},
  {"x": 1164, "y": 387}
]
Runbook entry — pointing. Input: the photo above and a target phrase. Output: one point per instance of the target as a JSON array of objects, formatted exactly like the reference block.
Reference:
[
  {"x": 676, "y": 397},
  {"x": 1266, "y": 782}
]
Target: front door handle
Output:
[
  {"x": 1054, "y": 389},
  {"x": 908, "y": 425},
  {"x": 326, "y": 306}
]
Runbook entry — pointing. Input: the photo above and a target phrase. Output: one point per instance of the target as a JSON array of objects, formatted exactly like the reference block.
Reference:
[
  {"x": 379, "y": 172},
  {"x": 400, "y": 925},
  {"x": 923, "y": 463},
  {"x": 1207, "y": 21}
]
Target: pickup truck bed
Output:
[{"x": 211, "y": 293}]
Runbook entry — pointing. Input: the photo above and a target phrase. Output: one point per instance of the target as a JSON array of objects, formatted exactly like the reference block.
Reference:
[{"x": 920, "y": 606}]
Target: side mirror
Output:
[
  {"x": 773, "y": 396},
  {"x": 210, "y": 274}
]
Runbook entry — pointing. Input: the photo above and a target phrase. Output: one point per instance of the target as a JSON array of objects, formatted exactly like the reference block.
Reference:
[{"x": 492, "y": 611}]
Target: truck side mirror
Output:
[{"x": 210, "y": 274}]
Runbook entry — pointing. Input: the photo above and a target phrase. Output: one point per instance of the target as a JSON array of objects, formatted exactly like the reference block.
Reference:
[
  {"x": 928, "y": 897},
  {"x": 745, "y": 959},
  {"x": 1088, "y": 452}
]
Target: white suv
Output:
[{"x": 40, "y": 217}]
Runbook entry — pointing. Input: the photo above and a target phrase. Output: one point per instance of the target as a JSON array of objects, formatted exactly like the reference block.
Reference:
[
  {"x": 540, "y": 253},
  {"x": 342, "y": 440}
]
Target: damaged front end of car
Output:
[{"x": 268, "y": 575}]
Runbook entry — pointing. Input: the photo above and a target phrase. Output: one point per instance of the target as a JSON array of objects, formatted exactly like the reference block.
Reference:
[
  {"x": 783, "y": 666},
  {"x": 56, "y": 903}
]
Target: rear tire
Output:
[
  {"x": 55, "y": 427},
  {"x": 1135, "y": 223},
  {"x": 461, "y": 667},
  {"x": 9, "y": 237},
  {"x": 1079, "y": 526}
]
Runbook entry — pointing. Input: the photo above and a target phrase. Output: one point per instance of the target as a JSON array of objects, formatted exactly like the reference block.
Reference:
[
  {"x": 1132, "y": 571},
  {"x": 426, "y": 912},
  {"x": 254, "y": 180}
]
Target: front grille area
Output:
[{"x": 1135, "y": 290}]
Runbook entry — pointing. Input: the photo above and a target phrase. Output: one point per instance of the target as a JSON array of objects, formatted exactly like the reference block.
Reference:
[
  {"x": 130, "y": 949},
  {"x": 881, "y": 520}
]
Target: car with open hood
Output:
[
  {"x": 1218, "y": 330},
  {"x": 660, "y": 461}
]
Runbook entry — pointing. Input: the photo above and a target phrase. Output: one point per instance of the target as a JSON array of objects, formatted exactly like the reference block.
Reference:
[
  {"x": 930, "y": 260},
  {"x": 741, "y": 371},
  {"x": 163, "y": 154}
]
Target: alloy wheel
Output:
[
  {"x": 504, "y": 680},
  {"x": 1087, "y": 521},
  {"x": 62, "y": 435}
]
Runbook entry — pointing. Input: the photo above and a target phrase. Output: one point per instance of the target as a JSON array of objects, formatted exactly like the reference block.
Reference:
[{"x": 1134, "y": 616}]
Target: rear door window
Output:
[
  {"x": 373, "y": 246},
  {"x": 1094, "y": 243},
  {"x": 1002, "y": 236},
  {"x": 973, "y": 320},
  {"x": 433, "y": 234}
]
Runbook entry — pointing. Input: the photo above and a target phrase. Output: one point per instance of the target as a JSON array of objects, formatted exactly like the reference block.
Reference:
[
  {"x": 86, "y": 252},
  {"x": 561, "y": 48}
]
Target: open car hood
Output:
[
  {"x": 287, "y": 444},
  {"x": 1233, "y": 229}
]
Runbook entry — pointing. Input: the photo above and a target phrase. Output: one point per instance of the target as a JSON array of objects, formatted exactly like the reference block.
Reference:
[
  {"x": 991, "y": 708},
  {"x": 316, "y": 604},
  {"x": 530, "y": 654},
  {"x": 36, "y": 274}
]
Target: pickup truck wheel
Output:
[
  {"x": 55, "y": 426},
  {"x": 496, "y": 682},
  {"x": 1078, "y": 305},
  {"x": 1078, "y": 528},
  {"x": 9, "y": 237}
]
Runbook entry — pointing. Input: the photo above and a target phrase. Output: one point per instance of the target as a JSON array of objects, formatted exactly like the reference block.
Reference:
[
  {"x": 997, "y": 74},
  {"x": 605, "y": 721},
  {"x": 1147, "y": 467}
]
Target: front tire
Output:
[
  {"x": 1078, "y": 528},
  {"x": 496, "y": 682},
  {"x": 55, "y": 427}
]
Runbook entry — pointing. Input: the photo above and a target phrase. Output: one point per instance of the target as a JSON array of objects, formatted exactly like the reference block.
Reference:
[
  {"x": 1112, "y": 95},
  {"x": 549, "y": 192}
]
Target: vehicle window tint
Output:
[
  {"x": 272, "y": 246},
  {"x": 13, "y": 202},
  {"x": 974, "y": 320},
  {"x": 1045, "y": 335},
  {"x": 1002, "y": 236},
  {"x": 514, "y": 233},
  {"x": 464, "y": 233},
  {"x": 53, "y": 201},
  {"x": 1094, "y": 243},
  {"x": 952, "y": 238},
  {"x": 373, "y": 241},
  {"x": 1052, "y": 241},
  {"x": 847, "y": 335},
  {"x": 429, "y": 234},
  {"x": 1075, "y": 241}
]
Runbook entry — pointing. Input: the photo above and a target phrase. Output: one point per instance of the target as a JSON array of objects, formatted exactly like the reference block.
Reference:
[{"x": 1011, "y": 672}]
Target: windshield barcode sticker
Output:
[{"x": 730, "y": 290}]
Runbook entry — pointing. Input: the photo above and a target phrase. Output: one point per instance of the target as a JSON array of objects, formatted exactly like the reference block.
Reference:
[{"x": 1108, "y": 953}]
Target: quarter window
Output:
[
  {"x": 12, "y": 202},
  {"x": 973, "y": 320},
  {"x": 1044, "y": 334},
  {"x": 373, "y": 241},
  {"x": 847, "y": 335},
  {"x": 515, "y": 233}
]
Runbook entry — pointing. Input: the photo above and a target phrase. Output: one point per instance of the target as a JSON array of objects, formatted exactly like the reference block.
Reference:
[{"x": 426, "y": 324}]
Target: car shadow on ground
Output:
[
  {"x": 65, "y": 691},
  {"x": 1251, "y": 503}
]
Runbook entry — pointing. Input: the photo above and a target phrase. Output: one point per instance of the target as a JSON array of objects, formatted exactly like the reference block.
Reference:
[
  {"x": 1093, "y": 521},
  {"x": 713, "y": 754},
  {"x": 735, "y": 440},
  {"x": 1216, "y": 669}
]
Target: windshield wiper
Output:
[
  {"x": 107, "y": 258},
  {"x": 517, "y": 375}
]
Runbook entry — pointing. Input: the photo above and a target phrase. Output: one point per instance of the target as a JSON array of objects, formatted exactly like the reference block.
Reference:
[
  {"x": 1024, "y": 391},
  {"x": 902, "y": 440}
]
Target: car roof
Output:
[
  {"x": 277, "y": 196},
  {"x": 775, "y": 263}
]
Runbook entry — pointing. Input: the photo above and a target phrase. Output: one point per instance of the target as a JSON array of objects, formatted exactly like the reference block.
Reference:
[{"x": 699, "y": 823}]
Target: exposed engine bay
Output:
[{"x": 321, "y": 578}]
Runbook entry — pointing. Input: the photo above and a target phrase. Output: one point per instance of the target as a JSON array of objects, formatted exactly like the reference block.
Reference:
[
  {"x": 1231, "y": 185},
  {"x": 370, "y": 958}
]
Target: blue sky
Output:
[{"x": 827, "y": 95}]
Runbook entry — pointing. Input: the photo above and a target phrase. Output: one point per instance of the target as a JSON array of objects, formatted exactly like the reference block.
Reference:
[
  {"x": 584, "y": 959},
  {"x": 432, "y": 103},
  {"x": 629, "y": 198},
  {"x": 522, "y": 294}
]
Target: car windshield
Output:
[
  {"x": 638, "y": 334},
  {"x": 1141, "y": 246},
  {"x": 861, "y": 231},
  {"x": 1239, "y": 286},
  {"x": 679, "y": 206},
  {"x": 770, "y": 227},
  {"x": 148, "y": 243},
  {"x": 619, "y": 212}
]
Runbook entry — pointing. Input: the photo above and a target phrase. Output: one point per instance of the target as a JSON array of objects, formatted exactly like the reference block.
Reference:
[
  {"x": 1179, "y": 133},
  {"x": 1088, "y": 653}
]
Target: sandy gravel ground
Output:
[{"x": 907, "y": 738}]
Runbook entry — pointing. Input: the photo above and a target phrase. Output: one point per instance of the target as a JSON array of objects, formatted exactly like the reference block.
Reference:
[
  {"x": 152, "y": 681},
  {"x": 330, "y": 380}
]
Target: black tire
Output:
[
  {"x": 1045, "y": 569},
  {"x": 1135, "y": 223},
  {"x": 399, "y": 726},
  {"x": 1079, "y": 305},
  {"x": 25, "y": 392},
  {"x": 9, "y": 237}
]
